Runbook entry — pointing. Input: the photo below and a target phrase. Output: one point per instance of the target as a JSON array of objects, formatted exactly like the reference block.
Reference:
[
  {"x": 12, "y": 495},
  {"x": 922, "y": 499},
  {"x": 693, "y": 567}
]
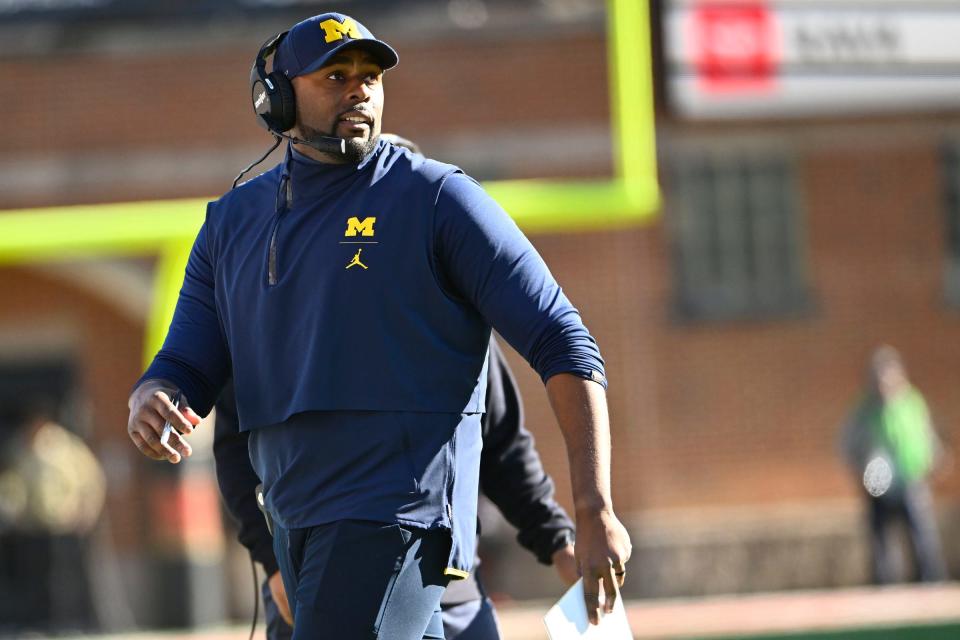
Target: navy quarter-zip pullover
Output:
[
  {"x": 511, "y": 476},
  {"x": 353, "y": 304}
]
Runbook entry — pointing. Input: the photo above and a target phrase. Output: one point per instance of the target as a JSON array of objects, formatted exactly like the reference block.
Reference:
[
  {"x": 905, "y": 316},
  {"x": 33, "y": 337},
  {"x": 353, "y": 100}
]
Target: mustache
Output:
[{"x": 354, "y": 110}]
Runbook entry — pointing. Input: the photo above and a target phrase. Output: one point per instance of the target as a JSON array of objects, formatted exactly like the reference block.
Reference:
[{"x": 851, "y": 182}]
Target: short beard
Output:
[{"x": 355, "y": 149}]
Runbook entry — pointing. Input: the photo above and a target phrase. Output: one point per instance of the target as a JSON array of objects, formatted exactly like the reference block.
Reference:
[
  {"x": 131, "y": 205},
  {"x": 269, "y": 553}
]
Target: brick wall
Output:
[
  {"x": 108, "y": 109},
  {"x": 715, "y": 418}
]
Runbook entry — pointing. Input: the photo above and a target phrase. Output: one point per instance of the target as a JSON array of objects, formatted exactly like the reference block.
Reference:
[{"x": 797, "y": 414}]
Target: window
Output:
[
  {"x": 737, "y": 239},
  {"x": 950, "y": 161}
]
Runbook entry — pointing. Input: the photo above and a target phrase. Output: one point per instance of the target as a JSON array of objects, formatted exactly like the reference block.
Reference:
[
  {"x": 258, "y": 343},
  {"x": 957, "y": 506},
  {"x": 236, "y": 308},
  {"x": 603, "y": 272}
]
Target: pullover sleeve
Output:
[
  {"x": 511, "y": 474},
  {"x": 485, "y": 259},
  {"x": 194, "y": 355},
  {"x": 238, "y": 481}
]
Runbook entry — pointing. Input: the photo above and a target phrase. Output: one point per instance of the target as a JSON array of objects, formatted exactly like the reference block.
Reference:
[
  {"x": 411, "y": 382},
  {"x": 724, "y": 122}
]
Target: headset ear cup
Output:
[{"x": 283, "y": 104}]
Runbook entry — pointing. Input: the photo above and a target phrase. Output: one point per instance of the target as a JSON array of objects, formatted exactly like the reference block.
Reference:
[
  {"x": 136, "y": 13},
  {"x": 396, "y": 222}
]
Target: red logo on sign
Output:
[{"x": 735, "y": 46}]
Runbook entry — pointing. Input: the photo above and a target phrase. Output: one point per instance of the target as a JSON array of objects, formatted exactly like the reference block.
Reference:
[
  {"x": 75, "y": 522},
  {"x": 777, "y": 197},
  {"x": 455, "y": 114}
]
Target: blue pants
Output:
[
  {"x": 472, "y": 620},
  {"x": 358, "y": 580},
  {"x": 913, "y": 505}
]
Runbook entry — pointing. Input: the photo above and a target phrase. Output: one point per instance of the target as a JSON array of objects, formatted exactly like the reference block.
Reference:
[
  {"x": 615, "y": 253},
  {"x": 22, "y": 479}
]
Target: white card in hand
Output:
[{"x": 567, "y": 620}]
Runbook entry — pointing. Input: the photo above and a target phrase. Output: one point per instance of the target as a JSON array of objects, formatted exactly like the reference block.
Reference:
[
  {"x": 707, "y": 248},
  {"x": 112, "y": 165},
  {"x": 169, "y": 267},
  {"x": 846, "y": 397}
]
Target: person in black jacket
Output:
[{"x": 511, "y": 476}]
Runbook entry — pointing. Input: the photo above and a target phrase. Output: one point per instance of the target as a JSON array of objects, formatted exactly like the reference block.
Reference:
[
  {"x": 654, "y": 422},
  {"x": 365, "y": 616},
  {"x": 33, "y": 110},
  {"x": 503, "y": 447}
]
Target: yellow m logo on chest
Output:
[
  {"x": 363, "y": 227},
  {"x": 334, "y": 30}
]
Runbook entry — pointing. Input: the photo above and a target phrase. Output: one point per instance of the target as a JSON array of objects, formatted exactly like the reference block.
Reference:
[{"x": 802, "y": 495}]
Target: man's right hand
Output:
[
  {"x": 279, "y": 593},
  {"x": 150, "y": 408}
]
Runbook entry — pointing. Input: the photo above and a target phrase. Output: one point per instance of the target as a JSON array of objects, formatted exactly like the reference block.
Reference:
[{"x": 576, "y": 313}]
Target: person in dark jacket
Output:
[
  {"x": 511, "y": 476},
  {"x": 893, "y": 450}
]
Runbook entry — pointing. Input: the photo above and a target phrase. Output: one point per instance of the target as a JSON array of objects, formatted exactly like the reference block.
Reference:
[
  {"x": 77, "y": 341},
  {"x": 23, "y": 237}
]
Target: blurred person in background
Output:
[
  {"x": 511, "y": 476},
  {"x": 52, "y": 491},
  {"x": 892, "y": 449}
]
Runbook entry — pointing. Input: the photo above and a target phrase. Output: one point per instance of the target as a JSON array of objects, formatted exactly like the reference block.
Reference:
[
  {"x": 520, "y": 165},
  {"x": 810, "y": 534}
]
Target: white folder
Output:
[{"x": 567, "y": 620}]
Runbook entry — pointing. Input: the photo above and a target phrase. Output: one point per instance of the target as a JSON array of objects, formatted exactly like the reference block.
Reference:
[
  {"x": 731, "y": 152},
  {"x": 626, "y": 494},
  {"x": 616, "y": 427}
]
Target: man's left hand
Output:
[{"x": 603, "y": 549}]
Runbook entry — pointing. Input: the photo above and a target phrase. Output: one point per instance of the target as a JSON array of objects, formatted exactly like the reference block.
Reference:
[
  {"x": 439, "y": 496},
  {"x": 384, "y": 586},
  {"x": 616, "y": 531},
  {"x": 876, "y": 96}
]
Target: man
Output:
[
  {"x": 511, "y": 475},
  {"x": 891, "y": 447},
  {"x": 362, "y": 388}
]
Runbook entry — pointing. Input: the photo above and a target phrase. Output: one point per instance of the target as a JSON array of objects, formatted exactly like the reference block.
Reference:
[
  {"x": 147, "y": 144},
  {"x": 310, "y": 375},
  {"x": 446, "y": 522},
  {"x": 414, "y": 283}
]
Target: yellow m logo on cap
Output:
[
  {"x": 334, "y": 30},
  {"x": 364, "y": 227}
]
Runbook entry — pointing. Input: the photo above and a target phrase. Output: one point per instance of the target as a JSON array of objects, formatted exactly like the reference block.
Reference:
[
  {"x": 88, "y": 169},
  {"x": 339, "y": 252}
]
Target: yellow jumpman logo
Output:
[{"x": 356, "y": 260}]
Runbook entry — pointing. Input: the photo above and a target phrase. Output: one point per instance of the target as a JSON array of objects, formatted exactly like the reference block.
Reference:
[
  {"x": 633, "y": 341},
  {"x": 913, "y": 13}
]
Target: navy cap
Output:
[{"x": 311, "y": 43}]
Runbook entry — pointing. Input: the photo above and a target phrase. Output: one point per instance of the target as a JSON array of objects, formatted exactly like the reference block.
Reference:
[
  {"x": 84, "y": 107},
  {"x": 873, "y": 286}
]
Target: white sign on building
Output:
[{"x": 783, "y": 58}]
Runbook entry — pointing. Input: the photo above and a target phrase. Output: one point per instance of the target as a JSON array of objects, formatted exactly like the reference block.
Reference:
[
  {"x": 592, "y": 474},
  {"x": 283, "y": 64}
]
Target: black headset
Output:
[
  {"x": 272, "y": 94},
  {"x": 275, "y": 106}
]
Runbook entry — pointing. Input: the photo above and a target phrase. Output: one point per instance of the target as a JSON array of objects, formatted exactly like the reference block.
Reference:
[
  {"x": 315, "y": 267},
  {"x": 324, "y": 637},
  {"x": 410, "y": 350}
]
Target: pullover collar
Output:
[{"x": 304, "y": 177}]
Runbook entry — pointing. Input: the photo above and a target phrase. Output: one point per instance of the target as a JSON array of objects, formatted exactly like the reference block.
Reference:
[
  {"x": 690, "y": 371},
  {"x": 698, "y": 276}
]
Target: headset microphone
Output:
[{"x": 326, "y": 144}]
